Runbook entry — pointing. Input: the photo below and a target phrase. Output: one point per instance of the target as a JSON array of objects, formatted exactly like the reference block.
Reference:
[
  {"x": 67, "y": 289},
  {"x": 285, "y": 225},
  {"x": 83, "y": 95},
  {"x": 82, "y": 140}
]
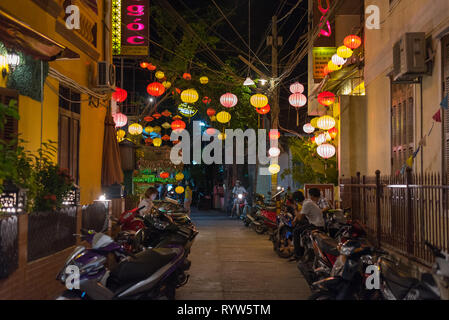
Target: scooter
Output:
[
  {"x": 239, "y": 207},
  {"x": 283, "y": 237}
]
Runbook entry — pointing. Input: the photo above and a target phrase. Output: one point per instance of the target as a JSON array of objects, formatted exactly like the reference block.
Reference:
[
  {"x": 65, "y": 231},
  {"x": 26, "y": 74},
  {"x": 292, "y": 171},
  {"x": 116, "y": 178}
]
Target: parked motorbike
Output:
[{"x": 283, "y": 237}]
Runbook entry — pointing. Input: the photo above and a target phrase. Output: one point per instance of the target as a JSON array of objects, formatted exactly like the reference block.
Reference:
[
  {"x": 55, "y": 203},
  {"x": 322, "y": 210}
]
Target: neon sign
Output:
[
  {"x": 328, "y": 32},
  {"x": 130, "y": 27}
]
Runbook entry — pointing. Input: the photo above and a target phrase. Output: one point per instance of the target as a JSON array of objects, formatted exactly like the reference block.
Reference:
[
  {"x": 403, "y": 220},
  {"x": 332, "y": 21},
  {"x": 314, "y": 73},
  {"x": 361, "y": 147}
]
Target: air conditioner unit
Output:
[
  {"x": 409, "y": 56},
  {"x": 105, "y": 75}
]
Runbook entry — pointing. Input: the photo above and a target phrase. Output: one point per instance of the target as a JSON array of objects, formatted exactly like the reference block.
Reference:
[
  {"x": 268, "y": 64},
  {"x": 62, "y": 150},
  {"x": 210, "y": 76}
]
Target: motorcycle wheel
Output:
[
  {"x": 259, "y": 229},
  {"x": 282, "y": 250},
  {"x": 321, "y": 296}
]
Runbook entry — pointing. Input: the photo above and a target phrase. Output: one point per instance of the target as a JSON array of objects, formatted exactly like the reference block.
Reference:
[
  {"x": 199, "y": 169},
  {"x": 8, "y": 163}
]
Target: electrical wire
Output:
[{"x": 291, "y": 11}]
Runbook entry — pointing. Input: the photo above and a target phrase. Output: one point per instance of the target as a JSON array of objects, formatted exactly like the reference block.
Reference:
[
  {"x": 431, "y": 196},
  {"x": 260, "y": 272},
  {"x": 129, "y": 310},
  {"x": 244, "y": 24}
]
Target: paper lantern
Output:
[
  {"x": 337, "y": 60},
  {"x": 155, "y": 89},
  {"x": 120, "y": 119},
  {"x": 296, "y": 88},
  {"x": 120, "y": 95},
  {"x": 178, "y": 125},
  {"x": 120, "y": 135},
  {"x": 166, "y": 84},
  {"x": 297, "y": 100},
  {"x": 148, "y": 129},
  {"x": 326, "y": 122},
  {"x": 189, "y": 96},
  {"x": 206, "y": 100},
  {"x": 221, "y": 136},
  {"x": 344, "y": 52},
  {"x": 166, "y": 113},
  {"x": 187, "y": 110},
  {"x": 157, "y": 142},
  {"x": 204, "y": 80},
  {"x": 328, "y": 136},
  {"x": 156, "y": 115},
  {"x": 259, "y": 100},
  {"x": 352, "y": 41},
  {"x": 159, "y": 75},
  {"x": 313, "y": 122},
  {"x": 326, "y": 98},
  {"x": 308, "y": 128},
  {"x": 274, "y": 152},
  {"x": 148, "y": 141},
  {"x": 228, "y": 100},
  {"x": 166, "y": 125},
  {"x": 213, "y": 118},
  {"x": 157, "y": 129},
  {"x": 223, "y": 117},
  {"x": 211, "y": 112},
  {"x": 165, "y": 137},
  {"x": 179, "y": 176},
  {"x": 151, "y": 67},
  {"x": 263, "y": 110},
  {"x": 274, "y": 135},
  {"x": 144, "y": 65},
  {"x": 326, "y": 151},
  {"x": 211, "y": 131},
  {"x": 177, "y": 117},
  {"x": 333, "y": 133},
  {"x": 332, "y": 66},
  {"x": 164, "y": 175},
  {"x": 313, "y": 139},
  {"x": 148, "y": 119},
  {"x": 320, "y": 139},
  {"x": 135, "y": 129},
  {"x": 274, "y": 168},
  {"x": 187, "y": 76},
  {"x": 179, "y": 190}
]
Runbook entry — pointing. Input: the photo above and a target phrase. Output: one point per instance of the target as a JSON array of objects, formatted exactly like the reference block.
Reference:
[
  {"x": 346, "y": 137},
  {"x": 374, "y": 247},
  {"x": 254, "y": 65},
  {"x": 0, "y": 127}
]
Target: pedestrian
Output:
[
  {"x": 147, "y": 201},
  {"x": 187, "y": 198}
]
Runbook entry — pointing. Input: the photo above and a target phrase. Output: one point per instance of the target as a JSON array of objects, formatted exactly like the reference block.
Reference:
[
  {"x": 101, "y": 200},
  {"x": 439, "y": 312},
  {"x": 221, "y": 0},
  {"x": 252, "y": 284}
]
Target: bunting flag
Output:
[{"x": 437, "y": 116}]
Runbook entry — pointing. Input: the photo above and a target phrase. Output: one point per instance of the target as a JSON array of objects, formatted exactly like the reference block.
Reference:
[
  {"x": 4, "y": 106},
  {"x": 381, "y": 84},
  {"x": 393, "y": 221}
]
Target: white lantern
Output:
[
  {"x": 320, "y": 139},
  {"x": 337, "y": 60},
  {"x": 326, "y": 151},
  {"x": 308, "y": 128},
  {"x": 296, "y": 88},
  {"x": 274, "y": 152}
]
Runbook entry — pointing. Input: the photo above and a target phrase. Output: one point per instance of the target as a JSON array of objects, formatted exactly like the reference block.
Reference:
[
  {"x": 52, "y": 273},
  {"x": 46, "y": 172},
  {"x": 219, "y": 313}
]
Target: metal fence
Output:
[
  {"x": 9, "y": 258},
  {"x": 401, "y": 211},
  {"x": 50, "y": 232},
  {"x": 96, "y": 216}
]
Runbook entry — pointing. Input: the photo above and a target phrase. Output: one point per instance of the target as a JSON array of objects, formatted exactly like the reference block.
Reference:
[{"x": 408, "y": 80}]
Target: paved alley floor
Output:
[{"x": 231, "y": 261}]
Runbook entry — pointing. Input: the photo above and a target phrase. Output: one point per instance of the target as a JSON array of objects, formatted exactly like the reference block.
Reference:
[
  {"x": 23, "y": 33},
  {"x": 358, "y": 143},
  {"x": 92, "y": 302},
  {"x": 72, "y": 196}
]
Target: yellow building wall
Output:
[{"x": 80, "y": 70}]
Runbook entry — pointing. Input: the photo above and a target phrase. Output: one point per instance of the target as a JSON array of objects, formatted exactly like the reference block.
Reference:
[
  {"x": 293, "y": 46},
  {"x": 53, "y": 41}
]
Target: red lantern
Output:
[
  {"x": 155, "y": 89},
  {"x": 352, "y": 42},
  {"x": 157, "y": 115},
  {"x": 263, "y": 110},
  {"x": 178, "y": 125},
  {"x": 148, "y": 141},
  {"x": 144, "y": 65},
  {"x": 207, "y": 100},
  {"x": 119, "y": 95},
  {"x": 326, "y": 98},
  {"x": 148, "y": 119},
  {"x": 333, "y": 133},
  {"x": 187, "y": 76},
  {"x": 166, "y": 113},
  {"x": 274, "y": 135},
  {"x": 312, "y": 139},
  {"x": 164, "y": 175},
  {"x": 120, "y": 119},
  {"x": 211, "y": 112},
  {"x": 165, "y": 137},
  {"x": 228, "y": 100}
]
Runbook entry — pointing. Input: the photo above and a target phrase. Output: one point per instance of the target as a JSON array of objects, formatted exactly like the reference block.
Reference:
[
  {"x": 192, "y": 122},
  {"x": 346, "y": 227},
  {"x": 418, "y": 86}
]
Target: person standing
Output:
[{"x": 187, "y": 198}]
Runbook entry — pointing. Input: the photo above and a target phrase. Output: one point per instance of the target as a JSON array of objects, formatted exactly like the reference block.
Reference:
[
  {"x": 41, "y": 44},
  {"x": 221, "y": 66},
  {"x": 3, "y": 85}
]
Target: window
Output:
[
  {"x": 69, "y": 128},
  {"x": 402, "y": 124},
  {"x": 11, "y": 128}
]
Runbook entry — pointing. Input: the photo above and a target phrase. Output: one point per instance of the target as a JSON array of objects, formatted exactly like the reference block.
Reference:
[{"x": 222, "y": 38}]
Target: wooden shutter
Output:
[
  {"x": 445, "y": 70},
  {"x": 11, "y": 129}
]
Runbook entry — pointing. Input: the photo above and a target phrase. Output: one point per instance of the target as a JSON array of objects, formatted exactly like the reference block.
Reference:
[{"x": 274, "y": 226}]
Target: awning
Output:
[
  {"x": 333, "y": 81},
  {"x": 111, "y": 172},
  {"x": 19, "y": 36}
]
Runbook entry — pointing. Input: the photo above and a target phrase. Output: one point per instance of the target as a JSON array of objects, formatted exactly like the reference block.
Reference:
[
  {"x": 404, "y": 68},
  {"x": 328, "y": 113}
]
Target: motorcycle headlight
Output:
[{"x": 240, "y": 196}]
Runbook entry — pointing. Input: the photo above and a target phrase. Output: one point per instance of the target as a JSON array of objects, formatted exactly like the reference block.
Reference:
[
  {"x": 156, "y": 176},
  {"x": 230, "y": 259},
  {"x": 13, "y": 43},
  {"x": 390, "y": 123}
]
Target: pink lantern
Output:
[
  {"x": 296, "y": 88},
  {"x": 228, "y": 100},
  {"x": 297, "y": 100},
  {"x": 120, "y": 119}
]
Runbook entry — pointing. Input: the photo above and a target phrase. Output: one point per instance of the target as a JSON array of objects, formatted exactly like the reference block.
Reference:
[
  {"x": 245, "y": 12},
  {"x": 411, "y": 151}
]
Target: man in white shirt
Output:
[
  {"x": 311, "y": 210},
  {"x": 238, "y": 189}
]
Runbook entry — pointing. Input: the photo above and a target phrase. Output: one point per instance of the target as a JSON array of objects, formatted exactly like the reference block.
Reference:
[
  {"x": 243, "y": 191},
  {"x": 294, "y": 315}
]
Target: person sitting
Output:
[
  {"x": 147, "y": 201},
  {"x": 238, "y": 189}
]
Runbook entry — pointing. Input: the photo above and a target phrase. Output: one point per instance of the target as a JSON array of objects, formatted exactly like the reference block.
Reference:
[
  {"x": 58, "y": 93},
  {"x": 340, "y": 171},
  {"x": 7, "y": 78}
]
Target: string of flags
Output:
[{"x": 423, "y": 142}]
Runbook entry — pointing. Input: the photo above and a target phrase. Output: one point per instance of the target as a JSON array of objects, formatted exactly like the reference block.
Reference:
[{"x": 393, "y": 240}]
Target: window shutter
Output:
[{"x": 445, "y": 60}]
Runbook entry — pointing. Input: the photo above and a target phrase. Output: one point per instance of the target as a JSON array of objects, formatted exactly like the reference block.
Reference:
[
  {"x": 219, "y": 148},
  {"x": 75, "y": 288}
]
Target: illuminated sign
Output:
[
  {"x": 321, "y": 56},
  {"x": 130, "y": 27},
  {"x": 328, "y": 31},
  {"x": 187, "y": 110}
]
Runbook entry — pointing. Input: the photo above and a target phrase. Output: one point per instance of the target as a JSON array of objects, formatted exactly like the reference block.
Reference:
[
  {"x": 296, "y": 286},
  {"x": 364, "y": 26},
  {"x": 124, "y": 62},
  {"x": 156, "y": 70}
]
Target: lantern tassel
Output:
[{"x": 297, "y": 118}]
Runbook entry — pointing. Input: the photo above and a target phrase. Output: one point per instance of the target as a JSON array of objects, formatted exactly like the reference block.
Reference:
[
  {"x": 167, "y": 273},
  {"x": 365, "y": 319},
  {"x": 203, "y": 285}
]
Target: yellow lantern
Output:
[
  {"x": 135, "y": 129},
  {"x": 325, "y": 122},
  {"x": 204, "y": 80},
  {"x": 223, "y": 117},
  {"x": 148, "y": 129},
  {"x": 157, "y": 129},
  {"x": 313, "y": 122},
  {"x": 157, "y": 142},
  {"x": 189, "y": 96},
  {"x": 179, "y": 176},
  {"x": 333, "y": 67},
  {"x": 120, "y": 135},
  {"x": 344, "y": 52},
  {"x": 259, "y": 100},
  {"x": 159, "y": 75},
  {"x": 166, "y": 84},
  {"x": 213, "y": 118},
  {"x": 221, "y": 136},
  {"x": 179, "y": 189},
  {"x": 166, "y": 125},
  {"x": 274, "y": 168}
]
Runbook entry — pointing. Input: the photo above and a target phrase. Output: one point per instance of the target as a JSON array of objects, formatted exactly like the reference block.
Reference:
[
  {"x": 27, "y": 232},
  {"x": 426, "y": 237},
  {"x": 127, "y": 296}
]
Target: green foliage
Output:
[{"x": 308, "y": 166}]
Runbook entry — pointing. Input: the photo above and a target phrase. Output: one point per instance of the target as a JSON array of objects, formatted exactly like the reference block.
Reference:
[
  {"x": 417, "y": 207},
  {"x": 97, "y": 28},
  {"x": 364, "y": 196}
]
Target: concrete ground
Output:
[{"x": 232, "y": 262}]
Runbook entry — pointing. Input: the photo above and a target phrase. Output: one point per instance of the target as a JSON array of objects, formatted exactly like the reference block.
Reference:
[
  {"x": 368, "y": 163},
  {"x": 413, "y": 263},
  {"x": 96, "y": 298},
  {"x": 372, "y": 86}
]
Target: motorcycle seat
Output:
[
  {"x": 398, "y": 281},
  {"x": 143, "y": 266},
  {"x": 326, "y": 243}
]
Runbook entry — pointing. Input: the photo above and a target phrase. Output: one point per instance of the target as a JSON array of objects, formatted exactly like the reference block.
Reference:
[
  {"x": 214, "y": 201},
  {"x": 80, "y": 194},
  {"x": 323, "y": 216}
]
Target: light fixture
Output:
[
  {"x": 248, "y": 82},
  {"x": 102, "y": 198},
  {"x": 13, "y": 60},
  {"x": 263, "y": 81}
]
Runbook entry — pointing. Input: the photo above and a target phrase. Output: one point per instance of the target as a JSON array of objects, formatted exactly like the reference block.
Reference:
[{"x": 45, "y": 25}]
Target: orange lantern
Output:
[
  {"x": 148, "y": 119},
  {"x": 210, "y": 112},
  {"x": 177, "y": 117},
  {"x": 333, "y": 133},
  {"x": 164, "y": 175},
  {"x": 151, "y": 67},
  {"x": 157, "y": 115},
  {"x": 166, "y": 113},
  {"x": 352, "y": 42},
  {"x": 187, "y": 76},
  {"x": 326, "y": 98},
  {"x": 119, "y": 95},
  {"x": 178, "y": 125},
  {"x": 165, "y": 137},
  {"x": 263, "y": 110},
  {"x": 155, "y": 89},
  {"x": 144, "y": 65}
]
